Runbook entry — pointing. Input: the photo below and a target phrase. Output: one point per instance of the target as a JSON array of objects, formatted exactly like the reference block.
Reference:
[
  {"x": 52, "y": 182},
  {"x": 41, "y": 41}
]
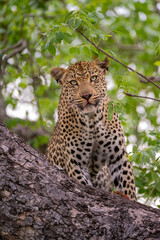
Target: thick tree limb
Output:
[
  {"x": 124, "y": 65},
  {"x": 38, "y": 201}
]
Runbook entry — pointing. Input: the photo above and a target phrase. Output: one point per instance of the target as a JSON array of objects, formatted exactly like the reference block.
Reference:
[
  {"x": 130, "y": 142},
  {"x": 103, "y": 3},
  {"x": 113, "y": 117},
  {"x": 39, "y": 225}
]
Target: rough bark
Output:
[
  {"x": 39, "y": 201},
  {"x": 2, "y": 107}
]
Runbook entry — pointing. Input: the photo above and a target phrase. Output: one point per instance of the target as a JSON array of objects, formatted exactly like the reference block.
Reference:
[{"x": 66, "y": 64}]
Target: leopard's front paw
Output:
[{"x": 121, "y": 194}]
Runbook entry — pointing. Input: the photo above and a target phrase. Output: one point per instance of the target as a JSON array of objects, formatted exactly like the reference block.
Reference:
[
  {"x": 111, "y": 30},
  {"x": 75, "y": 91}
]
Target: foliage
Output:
[
  {"x": 147, "y": 167},
  {"x": 128, "y": 31}
]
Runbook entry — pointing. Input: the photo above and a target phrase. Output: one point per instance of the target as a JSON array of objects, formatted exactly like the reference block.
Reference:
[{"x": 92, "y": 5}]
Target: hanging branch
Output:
[
  {"x": 108, "y": 55},
  {"x": 131, "y": 95}
]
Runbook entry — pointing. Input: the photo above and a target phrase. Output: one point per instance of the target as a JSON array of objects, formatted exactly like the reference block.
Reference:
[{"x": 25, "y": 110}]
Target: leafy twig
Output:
[
  {"x": 108, "y": 55},
  {"x": 131, "y": 95}
]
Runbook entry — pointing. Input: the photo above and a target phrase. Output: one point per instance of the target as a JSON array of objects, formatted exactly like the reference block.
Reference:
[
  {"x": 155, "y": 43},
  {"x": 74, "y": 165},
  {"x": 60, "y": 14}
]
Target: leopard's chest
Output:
[{"x": 89, "y": 139}]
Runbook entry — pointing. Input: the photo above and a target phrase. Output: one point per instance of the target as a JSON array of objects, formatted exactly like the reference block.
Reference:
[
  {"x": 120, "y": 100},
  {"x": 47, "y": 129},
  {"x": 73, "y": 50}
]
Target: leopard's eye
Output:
[
  {"x": 73, "y": 82},
  {"x": 93, "y": 78}
]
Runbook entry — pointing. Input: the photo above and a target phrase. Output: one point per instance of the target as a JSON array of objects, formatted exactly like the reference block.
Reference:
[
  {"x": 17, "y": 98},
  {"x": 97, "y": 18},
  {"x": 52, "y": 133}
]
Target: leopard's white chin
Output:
[{"x": 89, "y": 108}]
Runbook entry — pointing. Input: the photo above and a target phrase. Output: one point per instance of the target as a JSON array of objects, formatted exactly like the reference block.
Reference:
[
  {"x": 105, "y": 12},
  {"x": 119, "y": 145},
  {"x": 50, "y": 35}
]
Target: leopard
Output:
[{"x": 86, "y": 143}]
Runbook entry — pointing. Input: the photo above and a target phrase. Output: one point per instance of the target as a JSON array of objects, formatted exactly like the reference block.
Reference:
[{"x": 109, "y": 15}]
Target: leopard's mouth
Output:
[
  {"x": 90, "y": 107},
  {"x": 86, "y": 106}
]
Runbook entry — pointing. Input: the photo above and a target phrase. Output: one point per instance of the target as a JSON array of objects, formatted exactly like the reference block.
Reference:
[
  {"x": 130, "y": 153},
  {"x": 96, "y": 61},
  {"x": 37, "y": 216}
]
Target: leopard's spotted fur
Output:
[{"x": 85, "y": 143}]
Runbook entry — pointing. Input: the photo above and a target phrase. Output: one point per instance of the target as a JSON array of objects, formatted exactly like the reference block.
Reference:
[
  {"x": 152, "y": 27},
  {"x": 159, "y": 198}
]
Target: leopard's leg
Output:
[
  {"x": 122, "y": 175},
  {"x": 78, "y": 173},
  {"x": 103, "y": 179},
  {"x": 110, "y": 151}
]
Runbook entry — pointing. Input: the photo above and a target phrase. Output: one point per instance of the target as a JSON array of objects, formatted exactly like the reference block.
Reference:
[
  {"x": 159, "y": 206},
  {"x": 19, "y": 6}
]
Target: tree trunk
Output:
[{"x": 39, "y": 201}]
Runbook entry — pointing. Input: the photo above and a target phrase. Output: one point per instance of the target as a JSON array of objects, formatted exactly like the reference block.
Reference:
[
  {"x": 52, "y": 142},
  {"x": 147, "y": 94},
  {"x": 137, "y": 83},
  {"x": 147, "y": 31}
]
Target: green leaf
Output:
[
  {"x": 157, "y": 185},
  {"x": 93, "y": 49},
  {"x": 69, "y": 15},
  {"x": 73, "y": 50},
  {"x": 68, "y": 38},
  {"x": 59, "y": 37},
  {"x": 40, "y": 90},
  {"x": 78, "y": 23},
  {"x": 121, "y": 118},
  {"x": 22, "y": 85},
  {"x": 56, "y": 27},
  {"x": 93, "y": 17},
  {"x": 152, "y": 154},
  {"x": 78, "y": 50},
  {"x": 155, "y": 176},
  {"x": 145, "y": 158},
  {"x": 101, "y": 56},
  {"x": 52, "y": 49},
  {"x": 102, "y": 36},
  {"x": 71, "y": 22},
  {"x": 87, "y": 51},
  {"x": 38, "y": 42},
  {"x": 157, "y": 63},
  {"x": 136, "y": 157},
  {"x": 45, "y": 46},
  {"x": 135, "y": 148}
]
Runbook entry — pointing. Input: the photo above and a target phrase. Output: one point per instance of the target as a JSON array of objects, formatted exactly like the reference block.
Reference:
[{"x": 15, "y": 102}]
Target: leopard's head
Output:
[{"x": 83, "y": 83}]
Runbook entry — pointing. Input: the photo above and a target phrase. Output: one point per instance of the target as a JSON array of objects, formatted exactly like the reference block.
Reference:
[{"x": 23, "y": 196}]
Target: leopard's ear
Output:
[
  {"x": 57, "y": 73},
  {"x": 104, "y": 64}
]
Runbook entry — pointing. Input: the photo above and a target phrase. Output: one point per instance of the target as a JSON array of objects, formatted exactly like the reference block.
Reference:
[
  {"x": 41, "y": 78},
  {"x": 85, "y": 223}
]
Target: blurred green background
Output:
[{"x": 37, "y": 35}]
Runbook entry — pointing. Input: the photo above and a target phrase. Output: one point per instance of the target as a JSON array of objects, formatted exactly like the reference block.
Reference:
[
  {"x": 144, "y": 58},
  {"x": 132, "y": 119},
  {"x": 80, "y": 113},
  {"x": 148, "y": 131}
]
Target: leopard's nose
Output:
[{"x": 86, "y": 96}]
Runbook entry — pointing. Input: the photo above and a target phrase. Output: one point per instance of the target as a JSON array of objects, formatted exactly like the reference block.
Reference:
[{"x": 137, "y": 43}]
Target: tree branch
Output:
[
  {"x": 131, "y": 95},
  {"x": 155, "y": 79},
  {"x": 27, "y": 132},
  {"x": 17, "y": 49},
  {"x": 39, "y": 201},
  {"x": 3, "y": 114},
  {"x": 11, "y": 47},
  {"x": 108, "y": 55}
]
